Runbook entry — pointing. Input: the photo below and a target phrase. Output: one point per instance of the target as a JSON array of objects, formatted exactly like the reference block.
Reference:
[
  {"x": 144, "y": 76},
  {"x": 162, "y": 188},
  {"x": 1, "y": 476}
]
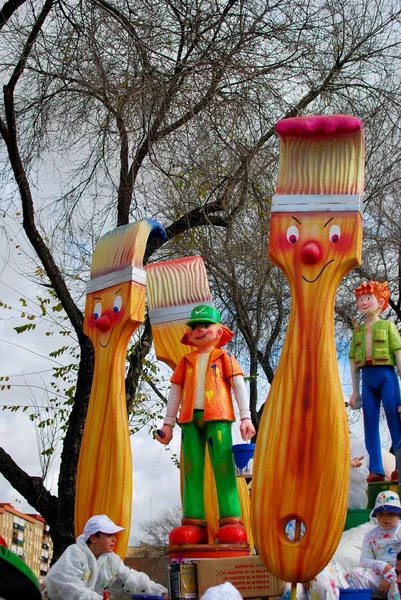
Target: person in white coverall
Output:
[{"x": 88, "y": 568}]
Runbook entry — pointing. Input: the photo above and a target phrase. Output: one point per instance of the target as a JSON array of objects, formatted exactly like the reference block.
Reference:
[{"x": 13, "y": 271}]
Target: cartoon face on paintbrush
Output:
[
  {"x": 316, "y": 247},
  {"x": 106, "y": 310}
]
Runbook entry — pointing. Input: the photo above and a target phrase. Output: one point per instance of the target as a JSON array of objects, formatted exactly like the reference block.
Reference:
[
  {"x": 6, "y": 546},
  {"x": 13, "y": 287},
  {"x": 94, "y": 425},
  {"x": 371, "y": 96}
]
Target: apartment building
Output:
[{"x": 28, "y": 537}]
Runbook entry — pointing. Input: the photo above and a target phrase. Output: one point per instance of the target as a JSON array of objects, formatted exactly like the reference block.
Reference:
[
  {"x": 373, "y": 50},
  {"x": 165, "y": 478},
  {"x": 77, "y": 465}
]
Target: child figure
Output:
[
  {"x": 379, "y": 550},
  {"x": 375, "y": 350},
  {"x": 200, "y": 385}
]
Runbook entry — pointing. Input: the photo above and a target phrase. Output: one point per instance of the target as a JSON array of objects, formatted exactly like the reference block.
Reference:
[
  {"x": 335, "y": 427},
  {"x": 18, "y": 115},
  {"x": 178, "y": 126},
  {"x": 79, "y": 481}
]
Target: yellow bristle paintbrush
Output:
[{"x": 114, "y": 309}]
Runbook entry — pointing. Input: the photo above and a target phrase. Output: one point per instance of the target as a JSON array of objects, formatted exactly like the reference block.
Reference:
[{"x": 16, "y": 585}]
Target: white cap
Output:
[{"x": 100, "y": 523}]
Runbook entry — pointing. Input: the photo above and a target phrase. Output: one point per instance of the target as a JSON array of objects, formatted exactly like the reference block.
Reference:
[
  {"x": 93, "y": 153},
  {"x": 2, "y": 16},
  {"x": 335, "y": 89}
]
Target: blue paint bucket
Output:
[
  {"x": 243, "y": 459},
  {"x": 350, "y": 594}
]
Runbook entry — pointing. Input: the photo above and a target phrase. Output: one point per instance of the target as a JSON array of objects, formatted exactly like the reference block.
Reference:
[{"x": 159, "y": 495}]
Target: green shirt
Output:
[{"x": 385, "y": 341}]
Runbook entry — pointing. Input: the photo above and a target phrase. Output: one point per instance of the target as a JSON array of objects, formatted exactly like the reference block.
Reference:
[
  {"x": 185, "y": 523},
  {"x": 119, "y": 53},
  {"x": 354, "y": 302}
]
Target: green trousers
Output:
[{"x": 217, "y": 435}]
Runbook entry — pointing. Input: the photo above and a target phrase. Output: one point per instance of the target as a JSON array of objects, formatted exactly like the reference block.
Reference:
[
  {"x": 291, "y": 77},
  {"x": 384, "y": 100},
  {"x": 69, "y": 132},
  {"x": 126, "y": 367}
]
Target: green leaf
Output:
[
  {"x": 26, "y": 327},
  {"x": 58, "y": 352}
]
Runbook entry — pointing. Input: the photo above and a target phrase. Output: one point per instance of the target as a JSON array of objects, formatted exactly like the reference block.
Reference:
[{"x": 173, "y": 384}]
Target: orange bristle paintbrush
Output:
[{"x": 173, "y": 289}]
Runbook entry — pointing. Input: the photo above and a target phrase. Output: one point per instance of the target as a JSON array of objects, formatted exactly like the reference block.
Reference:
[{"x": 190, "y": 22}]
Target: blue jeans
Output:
[{"x": 380, "y": 384}]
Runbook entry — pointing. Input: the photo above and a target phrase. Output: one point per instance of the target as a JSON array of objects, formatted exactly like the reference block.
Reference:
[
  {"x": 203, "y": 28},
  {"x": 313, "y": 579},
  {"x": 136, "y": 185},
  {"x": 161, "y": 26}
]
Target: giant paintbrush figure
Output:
[
  {"x": 301, "y": 465},
  {"x": 375, "y": 350},
  {"x": 114, "y": 309}
]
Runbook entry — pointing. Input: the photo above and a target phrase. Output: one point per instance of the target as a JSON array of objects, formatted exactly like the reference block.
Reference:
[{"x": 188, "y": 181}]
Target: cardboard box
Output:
[{"x": 248, "y": 574}]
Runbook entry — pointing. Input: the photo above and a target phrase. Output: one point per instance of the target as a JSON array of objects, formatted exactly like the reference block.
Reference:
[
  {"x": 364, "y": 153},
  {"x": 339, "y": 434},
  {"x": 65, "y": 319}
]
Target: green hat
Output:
[
  {"x": 207, "y": 314},
  {"x": 204, "y": 314}
]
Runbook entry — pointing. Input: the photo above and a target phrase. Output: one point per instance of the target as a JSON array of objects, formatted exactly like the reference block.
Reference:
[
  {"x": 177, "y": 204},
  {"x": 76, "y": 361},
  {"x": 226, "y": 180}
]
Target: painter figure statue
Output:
[
  {"x": 201, "y": 386},
  {"x": 375, "y": 350}
]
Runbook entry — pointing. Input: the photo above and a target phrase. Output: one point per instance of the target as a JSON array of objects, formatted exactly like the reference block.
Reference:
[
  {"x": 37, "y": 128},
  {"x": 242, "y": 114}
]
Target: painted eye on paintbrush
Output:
[
  {"x": 117, "y": 304},
  {"x": 97, "y": 311},
  {"x": 292, "y": 234},
  {"x": 334, "y": 233}
]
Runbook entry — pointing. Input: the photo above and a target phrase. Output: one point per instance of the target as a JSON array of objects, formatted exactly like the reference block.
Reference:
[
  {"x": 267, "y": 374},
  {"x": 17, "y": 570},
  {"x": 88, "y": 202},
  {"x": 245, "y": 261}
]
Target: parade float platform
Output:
[{"x": 178, "y": 554}]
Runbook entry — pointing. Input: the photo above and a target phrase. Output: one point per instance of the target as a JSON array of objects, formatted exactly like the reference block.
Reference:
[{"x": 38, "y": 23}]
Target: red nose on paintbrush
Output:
[{"x": 311, "y": 253}]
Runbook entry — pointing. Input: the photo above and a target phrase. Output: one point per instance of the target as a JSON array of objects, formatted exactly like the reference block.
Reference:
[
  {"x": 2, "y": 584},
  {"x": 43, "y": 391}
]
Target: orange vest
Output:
[{"x": 218, "y": 405}]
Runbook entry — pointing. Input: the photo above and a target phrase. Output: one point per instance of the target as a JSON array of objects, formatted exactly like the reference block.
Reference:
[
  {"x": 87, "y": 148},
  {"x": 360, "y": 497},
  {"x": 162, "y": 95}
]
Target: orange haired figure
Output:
[{"x": 375, "y": 350}]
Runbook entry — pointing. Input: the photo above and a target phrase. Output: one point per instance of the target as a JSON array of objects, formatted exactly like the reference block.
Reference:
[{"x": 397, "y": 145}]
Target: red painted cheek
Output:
[
  {"x": 283, "y": 246},
  {"x": 340, "y": 248},
  {"x": 116, "y": 318}
]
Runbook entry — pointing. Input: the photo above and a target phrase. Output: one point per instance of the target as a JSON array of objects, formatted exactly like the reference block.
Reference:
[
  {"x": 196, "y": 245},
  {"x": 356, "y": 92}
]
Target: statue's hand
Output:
[
  {"x": 165, "y": 435},
  {"x": 355, "y": 401},
  {"x": 247, "y": 429},
  {"x": 356, "y": 462}
]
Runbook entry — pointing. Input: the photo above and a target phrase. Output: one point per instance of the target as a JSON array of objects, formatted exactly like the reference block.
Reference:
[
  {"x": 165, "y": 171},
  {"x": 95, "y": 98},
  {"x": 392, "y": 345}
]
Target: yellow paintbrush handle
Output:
[{"x": 301, "y": 466}]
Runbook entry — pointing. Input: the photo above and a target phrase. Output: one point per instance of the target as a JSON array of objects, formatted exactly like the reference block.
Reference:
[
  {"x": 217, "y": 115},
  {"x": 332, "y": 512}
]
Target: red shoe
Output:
[
  {"x": 232, "y": 534},
  {"x": 394, "y": 475},
  {"x": 375, "y": 478},
  {"x": 188, "y": 534}
]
